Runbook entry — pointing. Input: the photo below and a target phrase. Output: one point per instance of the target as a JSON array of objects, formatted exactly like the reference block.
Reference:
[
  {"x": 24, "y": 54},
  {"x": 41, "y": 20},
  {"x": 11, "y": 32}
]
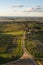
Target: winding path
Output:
[{"x": 26, "y": 59}]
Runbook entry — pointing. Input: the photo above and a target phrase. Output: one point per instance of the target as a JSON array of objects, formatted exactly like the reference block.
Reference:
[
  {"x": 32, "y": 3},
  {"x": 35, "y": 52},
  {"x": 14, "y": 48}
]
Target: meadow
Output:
[{"x": 10, "y": 46}]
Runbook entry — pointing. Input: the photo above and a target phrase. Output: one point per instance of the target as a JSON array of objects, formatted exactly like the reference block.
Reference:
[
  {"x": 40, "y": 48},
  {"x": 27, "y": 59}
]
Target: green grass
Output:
[
  {"x": 17, "y": 33},
  {"x": 5, "y": 42},
  {"x": 17, "y": 51}
]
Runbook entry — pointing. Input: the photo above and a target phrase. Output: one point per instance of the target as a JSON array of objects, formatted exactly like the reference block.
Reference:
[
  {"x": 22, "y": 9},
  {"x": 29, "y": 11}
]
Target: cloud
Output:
[
  {"x": 18, "y": 5},
  {"x": 34, "y": 9}
]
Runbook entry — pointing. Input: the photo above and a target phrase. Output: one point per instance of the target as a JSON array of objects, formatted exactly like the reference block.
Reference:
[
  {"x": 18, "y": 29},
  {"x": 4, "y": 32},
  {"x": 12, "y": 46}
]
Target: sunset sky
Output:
[{"x": 21, "y": 8}]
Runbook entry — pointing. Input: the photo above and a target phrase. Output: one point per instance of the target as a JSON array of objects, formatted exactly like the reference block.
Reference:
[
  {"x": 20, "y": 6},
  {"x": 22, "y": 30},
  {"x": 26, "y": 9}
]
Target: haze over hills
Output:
[{"x": 20, "y": 19}]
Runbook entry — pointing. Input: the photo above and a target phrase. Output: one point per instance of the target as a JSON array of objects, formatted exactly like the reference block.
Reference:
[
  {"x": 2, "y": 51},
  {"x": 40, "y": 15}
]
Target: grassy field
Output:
[
  {"x": 10, "y": 41},
  {"x": 9, "y": 50},
  {"x": 16, "y": 33}
]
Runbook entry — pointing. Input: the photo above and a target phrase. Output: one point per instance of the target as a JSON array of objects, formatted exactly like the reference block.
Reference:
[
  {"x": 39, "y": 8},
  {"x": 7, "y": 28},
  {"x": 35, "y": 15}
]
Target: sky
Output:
[{"x": 21, "y": 8}]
